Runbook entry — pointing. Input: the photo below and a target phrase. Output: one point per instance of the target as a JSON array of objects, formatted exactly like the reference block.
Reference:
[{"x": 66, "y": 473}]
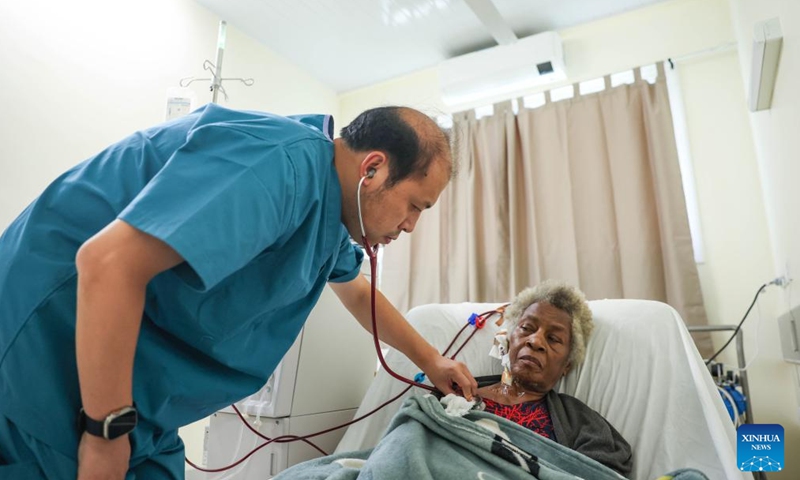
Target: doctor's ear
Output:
[{"x": 371, "y": 163}]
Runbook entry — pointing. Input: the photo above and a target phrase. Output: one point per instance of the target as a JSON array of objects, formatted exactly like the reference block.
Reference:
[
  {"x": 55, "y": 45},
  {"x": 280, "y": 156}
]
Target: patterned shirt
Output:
[{"x": 532, "y": 415}]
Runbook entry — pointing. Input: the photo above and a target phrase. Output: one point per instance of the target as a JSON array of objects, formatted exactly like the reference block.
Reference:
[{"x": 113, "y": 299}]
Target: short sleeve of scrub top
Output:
[
  {"x": 220, "y": 200},
  {"x": 348, "y": 262}
]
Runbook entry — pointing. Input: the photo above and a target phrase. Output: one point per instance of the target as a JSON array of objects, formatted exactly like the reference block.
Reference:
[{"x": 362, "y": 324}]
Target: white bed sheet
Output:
[{"x": 642, "y": 373}]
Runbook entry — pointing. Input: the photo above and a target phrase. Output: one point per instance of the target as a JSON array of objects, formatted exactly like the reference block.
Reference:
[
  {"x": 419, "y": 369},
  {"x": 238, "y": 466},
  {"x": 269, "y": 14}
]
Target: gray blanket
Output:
[{"x": 423, "y": 442}]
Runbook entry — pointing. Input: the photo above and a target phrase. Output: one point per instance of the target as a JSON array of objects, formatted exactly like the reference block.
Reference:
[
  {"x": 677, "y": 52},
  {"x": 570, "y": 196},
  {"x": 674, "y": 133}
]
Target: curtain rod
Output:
[{"x": 722, "y": 47}]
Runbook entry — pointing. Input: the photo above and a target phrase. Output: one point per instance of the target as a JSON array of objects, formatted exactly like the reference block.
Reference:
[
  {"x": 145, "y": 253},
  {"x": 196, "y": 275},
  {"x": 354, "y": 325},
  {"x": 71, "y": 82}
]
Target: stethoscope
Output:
[{"x": 372, "y": 253}]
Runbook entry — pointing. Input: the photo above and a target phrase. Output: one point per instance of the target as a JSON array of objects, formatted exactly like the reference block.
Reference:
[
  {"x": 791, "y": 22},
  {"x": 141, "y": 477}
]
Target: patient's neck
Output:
[{"x": 510, "y": 394}]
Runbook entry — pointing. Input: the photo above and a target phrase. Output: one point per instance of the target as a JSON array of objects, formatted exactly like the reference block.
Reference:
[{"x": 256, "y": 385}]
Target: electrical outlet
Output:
[
  {"x": 780, "y": 281},
  {"x": 784, "y": 280}
]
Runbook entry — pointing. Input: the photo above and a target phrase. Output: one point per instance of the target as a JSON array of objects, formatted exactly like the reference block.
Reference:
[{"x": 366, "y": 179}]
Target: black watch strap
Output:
[{"x": 116, "y": 424}]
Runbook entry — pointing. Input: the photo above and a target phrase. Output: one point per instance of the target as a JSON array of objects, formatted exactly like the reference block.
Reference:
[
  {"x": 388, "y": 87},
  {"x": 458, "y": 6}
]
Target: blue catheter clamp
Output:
[{"x": 478, "y": 321}]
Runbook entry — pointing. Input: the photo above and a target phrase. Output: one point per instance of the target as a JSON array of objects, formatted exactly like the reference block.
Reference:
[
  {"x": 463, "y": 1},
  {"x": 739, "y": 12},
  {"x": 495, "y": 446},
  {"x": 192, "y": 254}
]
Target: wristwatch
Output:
[{"x": 115, "y": 425}]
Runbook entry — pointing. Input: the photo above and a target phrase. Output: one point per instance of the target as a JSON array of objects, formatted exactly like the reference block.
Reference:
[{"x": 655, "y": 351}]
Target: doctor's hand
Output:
[
  {"x": 450, "y": 376},
  {"x": 101, "y": 459}
]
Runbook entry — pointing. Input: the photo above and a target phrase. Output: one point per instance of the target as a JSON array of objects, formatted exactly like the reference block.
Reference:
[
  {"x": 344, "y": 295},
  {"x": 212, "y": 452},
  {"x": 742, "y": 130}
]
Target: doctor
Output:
[{"x": 165, "y": 278}]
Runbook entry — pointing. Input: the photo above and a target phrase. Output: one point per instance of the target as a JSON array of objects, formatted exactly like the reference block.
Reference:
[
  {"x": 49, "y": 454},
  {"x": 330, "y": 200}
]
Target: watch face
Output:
[{"x": 122, "y": 424}]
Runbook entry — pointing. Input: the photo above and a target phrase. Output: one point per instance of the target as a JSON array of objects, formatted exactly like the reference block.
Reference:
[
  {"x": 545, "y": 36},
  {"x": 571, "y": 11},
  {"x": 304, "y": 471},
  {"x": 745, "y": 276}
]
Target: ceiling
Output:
[{"x": 348, "y": 44}]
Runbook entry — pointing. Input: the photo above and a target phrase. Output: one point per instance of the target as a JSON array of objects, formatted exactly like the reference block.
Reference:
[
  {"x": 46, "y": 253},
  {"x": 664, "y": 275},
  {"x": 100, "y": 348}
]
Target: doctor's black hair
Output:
[{"x": 410, "y": 150}]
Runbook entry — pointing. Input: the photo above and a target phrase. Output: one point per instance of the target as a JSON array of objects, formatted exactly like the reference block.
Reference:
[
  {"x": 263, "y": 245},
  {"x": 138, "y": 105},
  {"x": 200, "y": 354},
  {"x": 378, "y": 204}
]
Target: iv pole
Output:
[
  {"x": 216, "y": 68},
  {"x": 217, "y": 83}
]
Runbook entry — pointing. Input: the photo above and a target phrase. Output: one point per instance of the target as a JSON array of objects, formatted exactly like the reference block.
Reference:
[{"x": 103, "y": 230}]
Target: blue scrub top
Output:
[{"x": 250, "y": 200}]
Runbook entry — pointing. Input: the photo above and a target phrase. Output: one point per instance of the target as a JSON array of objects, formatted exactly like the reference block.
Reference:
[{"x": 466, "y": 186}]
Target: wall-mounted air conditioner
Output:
[{"x": 502, "y": 70}]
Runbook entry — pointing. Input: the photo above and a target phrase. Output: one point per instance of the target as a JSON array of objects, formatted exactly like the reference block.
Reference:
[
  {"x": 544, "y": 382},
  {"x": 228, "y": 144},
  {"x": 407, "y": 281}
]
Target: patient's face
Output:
[{"x": 539, "y": 347}]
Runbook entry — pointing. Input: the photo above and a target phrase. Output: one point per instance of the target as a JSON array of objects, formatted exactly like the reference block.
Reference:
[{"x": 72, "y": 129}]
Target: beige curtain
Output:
[{"x": 586, "y": 190}]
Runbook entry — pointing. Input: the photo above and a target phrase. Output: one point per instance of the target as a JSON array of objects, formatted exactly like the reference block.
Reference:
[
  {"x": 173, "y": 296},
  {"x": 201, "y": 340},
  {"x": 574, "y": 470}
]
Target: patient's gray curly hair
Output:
[{"x": 564, "y": 297}]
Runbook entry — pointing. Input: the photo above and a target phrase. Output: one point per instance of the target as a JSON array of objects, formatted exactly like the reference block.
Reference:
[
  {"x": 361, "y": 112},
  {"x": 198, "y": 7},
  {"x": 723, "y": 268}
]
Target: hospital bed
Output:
[{"x": 642, "y": 373}]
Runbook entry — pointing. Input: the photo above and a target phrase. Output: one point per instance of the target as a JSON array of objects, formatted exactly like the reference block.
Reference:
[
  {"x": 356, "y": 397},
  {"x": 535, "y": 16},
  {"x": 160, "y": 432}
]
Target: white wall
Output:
[
  {"x": 80, "y": 75},
  {"x": 735, "y": 235},
  {"x": 639, "y": 37}
]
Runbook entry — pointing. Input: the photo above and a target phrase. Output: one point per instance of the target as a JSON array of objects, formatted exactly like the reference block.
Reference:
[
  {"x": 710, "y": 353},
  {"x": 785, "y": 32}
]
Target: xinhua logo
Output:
[{"x": 759, "y": 447}]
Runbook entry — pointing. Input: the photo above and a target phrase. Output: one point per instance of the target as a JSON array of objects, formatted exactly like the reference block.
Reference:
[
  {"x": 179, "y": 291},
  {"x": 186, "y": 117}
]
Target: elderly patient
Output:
[{"x": 548, "y": 327}]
